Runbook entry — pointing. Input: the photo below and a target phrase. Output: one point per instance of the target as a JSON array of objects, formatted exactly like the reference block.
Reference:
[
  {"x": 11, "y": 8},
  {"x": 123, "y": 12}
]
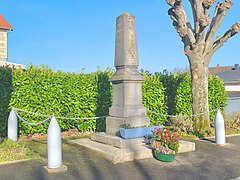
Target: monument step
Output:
[
  {"x": 120, "y": 155},
  {"x": 113, "y": 154},
  {"x": 186, "y": 146},
  {"x": 116, "y": 141}
]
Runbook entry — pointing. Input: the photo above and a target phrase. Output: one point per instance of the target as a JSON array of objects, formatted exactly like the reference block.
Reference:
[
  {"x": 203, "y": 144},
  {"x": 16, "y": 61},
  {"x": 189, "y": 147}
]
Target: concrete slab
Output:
[
  {"x": 186, "y": 146},
  {"x": 61, "y": 169},
  {"x": 124, "y": 154},
  {"x": 114, "y": 154}
]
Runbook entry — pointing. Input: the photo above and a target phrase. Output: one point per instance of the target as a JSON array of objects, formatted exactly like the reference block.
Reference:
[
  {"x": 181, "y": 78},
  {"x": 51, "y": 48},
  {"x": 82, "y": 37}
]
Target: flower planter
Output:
[
  {"x": 129, "y": 133},
  {"x": 164, "y": 157}
]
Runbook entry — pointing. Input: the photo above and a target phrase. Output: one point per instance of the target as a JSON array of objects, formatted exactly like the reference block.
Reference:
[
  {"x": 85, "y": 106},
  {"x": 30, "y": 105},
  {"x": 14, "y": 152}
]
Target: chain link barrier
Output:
[
  {"x": 49, "y": 117},
  {"x": 183, "y": 116}
]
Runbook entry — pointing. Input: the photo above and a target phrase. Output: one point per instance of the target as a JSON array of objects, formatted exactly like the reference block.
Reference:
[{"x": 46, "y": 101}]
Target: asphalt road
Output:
[{"x": 209, "y": 161}]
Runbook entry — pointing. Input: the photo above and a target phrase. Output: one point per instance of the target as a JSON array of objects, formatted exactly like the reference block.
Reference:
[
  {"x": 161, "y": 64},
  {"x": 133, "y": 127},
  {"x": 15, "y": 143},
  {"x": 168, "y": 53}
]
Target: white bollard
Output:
[
  {"x": 54, "y": 145},
  {"x": 12, "y": 126},
  {"x": 219, "y": 129}
]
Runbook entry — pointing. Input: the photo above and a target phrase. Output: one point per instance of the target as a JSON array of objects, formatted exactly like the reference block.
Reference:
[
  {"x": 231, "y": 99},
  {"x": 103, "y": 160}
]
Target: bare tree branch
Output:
[
  {"x": 202, "y": 21},
  {"x": 219, "y": 14},
  {"x": 207, "y": 4},
  {"x": 180, "y": 21},
  {"x": 219, "y": 41},
  {"x": 199, "y": 11},
  {"x": 194, "y": 12}
]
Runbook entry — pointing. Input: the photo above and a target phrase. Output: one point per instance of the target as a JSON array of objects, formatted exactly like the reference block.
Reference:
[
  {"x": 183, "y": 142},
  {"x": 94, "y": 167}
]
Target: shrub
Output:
[
  {"x": 6, "y": 89},
  {"x": 217, "y": 96},
  {"x": 40, "y": 90},
  {"x": 153, "y": 99}
]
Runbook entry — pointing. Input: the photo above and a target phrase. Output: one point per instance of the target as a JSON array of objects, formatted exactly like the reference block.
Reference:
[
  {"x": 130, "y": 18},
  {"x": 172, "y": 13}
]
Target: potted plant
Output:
[
  {"x": 128, "y": 132},
  {"x": 165, "y": 144}
]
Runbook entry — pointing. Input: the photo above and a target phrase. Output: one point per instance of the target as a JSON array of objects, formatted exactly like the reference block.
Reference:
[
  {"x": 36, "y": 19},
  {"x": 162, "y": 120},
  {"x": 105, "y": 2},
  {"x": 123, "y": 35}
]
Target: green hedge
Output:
[
  {"x": 63, "y": 94},
  {"x": 217, "y": 96},
  {"x": 6, "y": 89},
  {"x": 39, "y": 89},
  {"x": 171, "y": 82},
  {"x": 153, "y": 99}
]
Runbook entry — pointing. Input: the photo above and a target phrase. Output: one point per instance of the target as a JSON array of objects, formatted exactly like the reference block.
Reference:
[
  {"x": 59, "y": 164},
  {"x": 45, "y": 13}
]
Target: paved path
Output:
[{"x": 209, "y": 161}]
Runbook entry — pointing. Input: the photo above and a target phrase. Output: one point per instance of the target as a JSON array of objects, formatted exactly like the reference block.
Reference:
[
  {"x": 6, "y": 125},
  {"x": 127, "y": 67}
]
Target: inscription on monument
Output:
[
  {"x": 3, "y": 45},
  {"x": 119, "y": 37},
  {"x": 131, "y": 41}
]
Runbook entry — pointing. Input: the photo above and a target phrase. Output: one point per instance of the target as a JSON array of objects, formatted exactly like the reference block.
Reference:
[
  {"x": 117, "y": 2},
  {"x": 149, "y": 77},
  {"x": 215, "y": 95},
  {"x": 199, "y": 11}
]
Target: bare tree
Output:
[{"x": 199, "y": 46}]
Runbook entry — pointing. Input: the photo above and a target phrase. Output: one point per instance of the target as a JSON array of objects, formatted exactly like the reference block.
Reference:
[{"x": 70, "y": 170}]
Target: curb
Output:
[
  {"x": 18, "y": 161},
  {"x": 211, "y": 137}
]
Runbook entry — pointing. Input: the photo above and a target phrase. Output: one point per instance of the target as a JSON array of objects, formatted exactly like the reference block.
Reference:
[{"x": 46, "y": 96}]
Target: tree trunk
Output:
[{"x": 200, "y": 107}]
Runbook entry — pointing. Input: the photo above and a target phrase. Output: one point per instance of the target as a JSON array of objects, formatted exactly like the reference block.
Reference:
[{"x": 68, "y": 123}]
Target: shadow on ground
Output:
[{"x": 209, "y": 161}]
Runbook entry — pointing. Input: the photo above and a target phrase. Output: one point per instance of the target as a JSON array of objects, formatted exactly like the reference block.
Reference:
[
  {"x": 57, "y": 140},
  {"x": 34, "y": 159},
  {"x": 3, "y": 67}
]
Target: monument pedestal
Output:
[{"x": 114, "y": 123}]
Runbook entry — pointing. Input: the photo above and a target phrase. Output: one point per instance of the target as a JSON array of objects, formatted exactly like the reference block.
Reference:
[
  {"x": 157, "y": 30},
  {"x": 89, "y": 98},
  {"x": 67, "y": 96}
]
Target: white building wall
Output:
[
  {"x": 3, "y": 45},
  {"x": 232, "y": 88}
]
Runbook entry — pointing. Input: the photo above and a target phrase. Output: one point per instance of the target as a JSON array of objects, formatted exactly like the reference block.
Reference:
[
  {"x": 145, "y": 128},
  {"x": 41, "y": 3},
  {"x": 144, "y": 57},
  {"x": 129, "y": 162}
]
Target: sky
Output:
[{"x": 80, "y": 34}]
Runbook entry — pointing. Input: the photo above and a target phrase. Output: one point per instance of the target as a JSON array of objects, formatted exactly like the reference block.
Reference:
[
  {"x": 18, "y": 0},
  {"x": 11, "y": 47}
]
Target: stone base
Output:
[
  {"x": 118, "y": 150},
  {"x": 114, "y": 154},
  {"x": 117, "y": 141},
  {"x": 113, "y": 123},
  {"x": 61, "y": 169}
]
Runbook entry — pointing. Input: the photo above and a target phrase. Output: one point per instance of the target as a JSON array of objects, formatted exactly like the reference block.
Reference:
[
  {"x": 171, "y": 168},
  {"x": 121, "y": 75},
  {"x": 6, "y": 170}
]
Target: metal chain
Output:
[
  {"x": 184, "y": 116},
  {"x": 58, "y": 117},
  {"x": 88, "y": 118},
  {"x": 34, "y": 123},
  {"x": 33, "y": 113}
]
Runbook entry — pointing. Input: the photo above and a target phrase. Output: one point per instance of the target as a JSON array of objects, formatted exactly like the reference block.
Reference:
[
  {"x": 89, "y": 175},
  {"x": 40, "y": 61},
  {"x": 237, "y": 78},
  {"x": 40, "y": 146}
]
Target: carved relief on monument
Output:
[
  {"x": 119, "y": 37},
  {"x": 131, "y": 40}
]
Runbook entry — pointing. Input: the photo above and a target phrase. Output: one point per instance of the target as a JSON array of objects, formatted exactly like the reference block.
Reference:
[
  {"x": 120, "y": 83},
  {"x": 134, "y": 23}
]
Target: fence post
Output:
[
  {"x": 12, "y": 126},
  {"x": 219, "y": 128},
  {"x": 54, "y": 148}
]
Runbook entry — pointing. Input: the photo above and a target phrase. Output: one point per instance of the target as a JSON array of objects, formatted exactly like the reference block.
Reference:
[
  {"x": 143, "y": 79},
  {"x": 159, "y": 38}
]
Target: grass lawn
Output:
[
  {"x": 27, "y": 148},
  {"x": 12, "y": 151}
]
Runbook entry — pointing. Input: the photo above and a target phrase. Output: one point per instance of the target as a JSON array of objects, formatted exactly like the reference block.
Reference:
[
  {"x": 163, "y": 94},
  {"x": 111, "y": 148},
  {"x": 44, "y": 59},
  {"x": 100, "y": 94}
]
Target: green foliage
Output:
[
  {"x": 39, "y": 89},
  {"x": 217, "y": 96},
  {"x": 104, "y": 97},
  {"x": 171, "y": 81},
  {"x": 10, "y": 151},
  {"x": 174, "y": 146},
  {"x": 6, "y": 89},
  {"x": 183, "y": 98},
  {"x": 153, "y": 98}
]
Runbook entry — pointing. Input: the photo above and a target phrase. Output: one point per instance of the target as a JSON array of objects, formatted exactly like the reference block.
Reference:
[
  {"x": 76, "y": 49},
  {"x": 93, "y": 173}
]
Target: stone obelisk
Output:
[{"x": 127, "y": 104}]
